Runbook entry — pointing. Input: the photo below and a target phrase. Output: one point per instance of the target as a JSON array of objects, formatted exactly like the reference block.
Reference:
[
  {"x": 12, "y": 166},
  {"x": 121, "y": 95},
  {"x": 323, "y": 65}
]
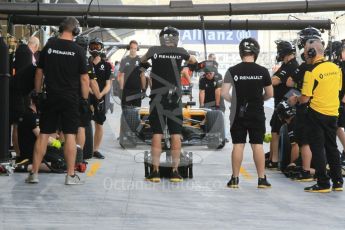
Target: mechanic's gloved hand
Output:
[
  {"x": 84, "y": 106},
  {"x": 39, "y": 99},
  {"x": 217, "y": 107},
  {"x": 101, "y": 105},
  {"x": 202, "y": 106}
]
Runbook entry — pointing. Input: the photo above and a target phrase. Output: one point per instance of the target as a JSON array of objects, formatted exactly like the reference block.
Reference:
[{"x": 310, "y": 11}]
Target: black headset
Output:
[
  {"x": 132, "y": 42},
  {"x": 65, "y": 23}
]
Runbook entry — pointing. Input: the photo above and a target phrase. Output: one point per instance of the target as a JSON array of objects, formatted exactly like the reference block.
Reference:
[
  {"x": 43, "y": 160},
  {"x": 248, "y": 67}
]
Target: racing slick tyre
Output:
[
  {"x": 130, "y": 121},
  {"x": 284, "y": 148},
  {"x": 215, "y": 131}
]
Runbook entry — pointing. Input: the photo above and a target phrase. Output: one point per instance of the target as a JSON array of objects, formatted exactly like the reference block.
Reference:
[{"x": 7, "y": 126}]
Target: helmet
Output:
[
  {"x": 249, "y": 46},
  {"x": 96, "y": 47},
  {"x": 83, "y": 41},
  {"x": 306, "y": 34},
  {"x": 284, "y": 48},
  {"x": 335, "y": 50},
  {"x": 285, "y": 111},
  {"x": 169, "y": 36}
]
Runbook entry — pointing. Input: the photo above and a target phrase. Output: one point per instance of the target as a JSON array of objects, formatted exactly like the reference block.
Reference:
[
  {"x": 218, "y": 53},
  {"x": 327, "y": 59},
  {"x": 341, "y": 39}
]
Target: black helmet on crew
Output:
[
  {"x": 96, "y": 47},
  {"x": 285, "y": 111},
  {"x": 249, "y": 46},
  {"x": 284, "y": 48},
  {"x": 306, "y": 34},
  {"x": 83, "y": 41},
  {"x": 169, "y": 36},
  {"x": 337, "y": 48}
]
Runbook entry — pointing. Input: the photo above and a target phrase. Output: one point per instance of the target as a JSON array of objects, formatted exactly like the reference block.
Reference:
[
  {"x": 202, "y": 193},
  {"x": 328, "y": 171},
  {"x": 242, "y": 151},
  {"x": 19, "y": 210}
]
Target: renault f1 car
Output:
[{"x": 200, "y": 127}]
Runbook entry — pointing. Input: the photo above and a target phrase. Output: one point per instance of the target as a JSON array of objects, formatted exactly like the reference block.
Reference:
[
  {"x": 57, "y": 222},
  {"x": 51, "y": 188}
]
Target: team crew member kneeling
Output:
[
  {"x": 63, "y": 84},
  {"x": 247, "y": 111},
  {"x": 100, "y": 86},
  {"x": 322, "y": 83},
  {"x": 165, "y": 104}
]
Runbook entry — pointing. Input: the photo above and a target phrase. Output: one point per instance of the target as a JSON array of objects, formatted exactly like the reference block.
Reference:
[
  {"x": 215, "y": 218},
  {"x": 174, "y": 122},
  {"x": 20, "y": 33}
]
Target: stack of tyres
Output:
[
  {"x": 165, "y": 168},
  {"x": 284, "y": 148}
]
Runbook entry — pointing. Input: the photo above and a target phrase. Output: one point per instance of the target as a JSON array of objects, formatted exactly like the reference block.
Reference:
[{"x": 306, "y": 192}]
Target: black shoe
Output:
[
  {"x": 317, "y": 189},
  {"x": 337, "y": 186},
  {"x": 263, "y": 183},
  {"x": 154, "y": 177},
  {"x": 98, "y": 155},
  {"x": 175, "y": 177},
  {"x": 290, "y": 171},
  {"x": 233, "y": 182},
  {"x": 304, "y": 176},
  {"x": 272, "y": 165}
]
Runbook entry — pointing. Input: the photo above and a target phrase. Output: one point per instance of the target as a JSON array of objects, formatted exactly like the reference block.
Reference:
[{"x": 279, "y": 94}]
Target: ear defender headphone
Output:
[
  {"x": 70, "y": 22},
  {"x": 132, "y": 42},
  {"x": 311, "y": 53}
]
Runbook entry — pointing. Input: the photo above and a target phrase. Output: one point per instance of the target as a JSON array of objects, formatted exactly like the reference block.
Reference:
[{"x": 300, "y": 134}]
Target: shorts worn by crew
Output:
[
  {"x": 98, "y": 110},
  {"x": 241, "y": 127},
  {"x": 162, "y": 114},
  {"x": 60, "y": 110}
]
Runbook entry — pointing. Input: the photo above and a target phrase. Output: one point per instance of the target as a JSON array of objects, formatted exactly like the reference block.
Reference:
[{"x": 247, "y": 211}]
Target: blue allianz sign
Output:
[{"x": 216, "y": 36}]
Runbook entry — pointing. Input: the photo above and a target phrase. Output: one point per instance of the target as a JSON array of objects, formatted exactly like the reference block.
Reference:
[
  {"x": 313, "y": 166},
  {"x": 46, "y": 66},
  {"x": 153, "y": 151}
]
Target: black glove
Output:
[
  {"x": 101, "y": 105},
  {"x": 39, "y": 99},
  {"x": 217, "y": 107},
  {"x": 84, "y": 106},
  {"x": 193, "y": 67}
]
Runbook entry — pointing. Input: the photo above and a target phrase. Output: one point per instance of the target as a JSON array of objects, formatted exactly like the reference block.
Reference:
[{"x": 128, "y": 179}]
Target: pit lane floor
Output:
[{"x": 116, "y": 196}]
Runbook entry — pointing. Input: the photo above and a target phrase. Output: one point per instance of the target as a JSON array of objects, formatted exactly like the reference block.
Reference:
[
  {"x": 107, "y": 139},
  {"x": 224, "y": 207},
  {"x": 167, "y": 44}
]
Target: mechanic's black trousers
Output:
[{"x": 322, "y": 138}]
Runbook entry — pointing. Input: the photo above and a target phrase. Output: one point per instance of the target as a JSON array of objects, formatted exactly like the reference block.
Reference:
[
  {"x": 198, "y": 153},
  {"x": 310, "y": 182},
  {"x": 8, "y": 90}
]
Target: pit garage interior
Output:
[{"x": 115, "y": 195}]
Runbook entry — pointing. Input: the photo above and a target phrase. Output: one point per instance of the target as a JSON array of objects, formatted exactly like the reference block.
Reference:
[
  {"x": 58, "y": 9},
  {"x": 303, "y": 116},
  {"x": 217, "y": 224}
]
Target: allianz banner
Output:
[{"x": 216, "y": 36}]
